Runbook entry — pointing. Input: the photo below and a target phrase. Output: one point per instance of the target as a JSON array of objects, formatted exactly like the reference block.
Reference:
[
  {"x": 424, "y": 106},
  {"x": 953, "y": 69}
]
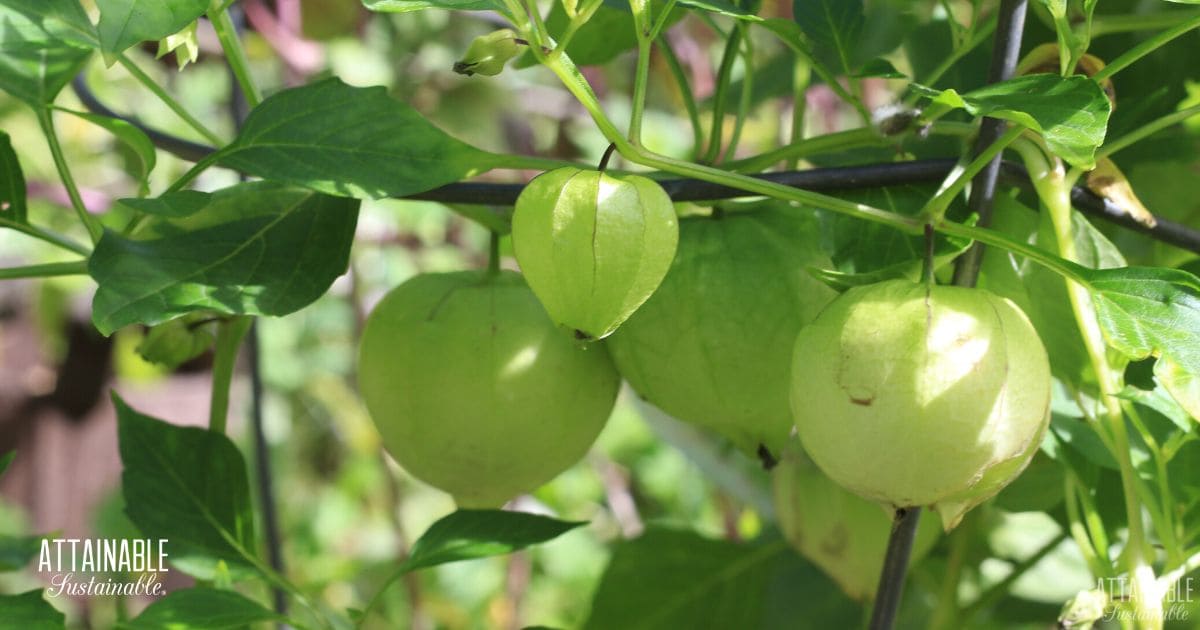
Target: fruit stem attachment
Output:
[
  {"x": 494, "y": 254},
  {"x": 927, "y": 263},
  {"x": 608, "y": 153},
  {"x": 895, "y": 565}
]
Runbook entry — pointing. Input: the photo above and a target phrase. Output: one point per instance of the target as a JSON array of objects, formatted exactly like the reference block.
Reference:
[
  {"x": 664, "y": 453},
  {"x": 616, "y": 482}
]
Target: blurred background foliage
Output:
[{"x": 347, "y": 512}]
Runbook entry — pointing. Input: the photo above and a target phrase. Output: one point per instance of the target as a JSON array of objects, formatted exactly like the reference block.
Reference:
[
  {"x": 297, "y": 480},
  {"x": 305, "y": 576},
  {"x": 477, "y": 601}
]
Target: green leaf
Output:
[
  {"x": 6, "y": 459},
  {"x": 124, "y": 23},
  {"x": 404, "y": 6},
  {"x": 132, "y": 137},
  {"x": 260, "y": 248},
  {"x": 833, "y": 29},
  {"x": 469, "y": 534},
  {"x": 17, "y": 551},
  {"x": 177, "y": 205},
  {"x": 12, "y": 184},
  {"x": 349, "y": 141},
  {"x": 187, "y": 485},
  {"x": 668, "y": 579},
  {"x": 40, "y": 48},
  {"x": 30, "y": 611},
  {"x": 201, "y": 608},
  {"x": 1147, "y": 311},
  {"x": 1071, "y": 113}
]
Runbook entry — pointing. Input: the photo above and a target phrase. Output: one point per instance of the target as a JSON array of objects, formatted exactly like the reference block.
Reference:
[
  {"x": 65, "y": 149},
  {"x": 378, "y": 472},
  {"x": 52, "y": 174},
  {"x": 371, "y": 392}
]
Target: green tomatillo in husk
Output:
[
  {"x": 840, "y": 532},
  {"x": 713, "y": 346},
  {"x": 917, "y": 395},
  {"x": 593, "y": 246},
  {"x": 475, "y": 391}
]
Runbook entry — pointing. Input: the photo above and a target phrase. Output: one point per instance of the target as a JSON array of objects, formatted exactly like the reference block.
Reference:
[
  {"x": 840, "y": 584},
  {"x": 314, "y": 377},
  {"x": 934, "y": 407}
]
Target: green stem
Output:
[
  {"x": 1001, "y": 588},
  {"x": 1146, "y": 47},
  {"x": 724, "y": 73},
  {"x": 838, "y": 141},
  {"x": 235, "y": 55},
  {"x": 229, "y": 338},
  {"x": 828, "y": 78},
  {"x": 1162, "y": 516},
  {"x": 936, "y": 208},
  {"x": 979, "y": 36},
  {"x": 685, "y": 91},
  {"x": 1132, "y": 22},
  {"x": 1079, "y": 529},
  {"x": 46, "y": 121},
  {"x": 640, "y": 79},
  {"x": 661, "y": 20},
  {"x": 48, "y": 270},
  {"x": 168, "y": 100},
  {"x": 194, "y": 172},
  {"x": 1147, "y": 130},
  {"x": 801, "y": 77},
  {"x": 42, "y": 234},
  {"x": 744, "y": 101},
  {"x": 494, "y": 253},
  {"x": 946, "y": 613}
]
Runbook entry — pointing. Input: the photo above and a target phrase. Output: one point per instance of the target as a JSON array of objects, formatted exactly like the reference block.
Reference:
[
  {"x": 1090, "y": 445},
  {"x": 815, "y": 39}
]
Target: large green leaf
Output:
[
  {"x": 349, "y": 141},
  {"x": 260, "y": 248},
  {"x": 43, "y": 45},
  {"x": 30, "y": 611},
  {"x": 833, "y": 29},
  {"x": 188, "y": 486},
  {"x": 124, "y": 23},
  {"x": 1071, "y": 113},
  {"x": 12, "y": 184},
  {"x": 404, "y": 6},
  {"x": 669, "y": 579},
  {"x": 468, "y": 534},
  {"x": 201, "y": 608},
  {"x": 1151, "y": 311}
]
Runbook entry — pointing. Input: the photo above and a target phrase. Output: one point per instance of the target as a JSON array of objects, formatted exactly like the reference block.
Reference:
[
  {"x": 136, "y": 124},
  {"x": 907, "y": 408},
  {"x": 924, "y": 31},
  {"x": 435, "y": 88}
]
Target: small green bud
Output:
[
  {"x": 487, "y": 54},
  {"x": 1083, "y": 610},
  {"x": 175, "y": 342}
]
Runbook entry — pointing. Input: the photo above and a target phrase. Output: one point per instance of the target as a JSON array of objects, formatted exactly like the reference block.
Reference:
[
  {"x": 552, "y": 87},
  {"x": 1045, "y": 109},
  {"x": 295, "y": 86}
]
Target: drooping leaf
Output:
[
  {"x": 833, "y": 29},
  {"x": 1071, "y": 113},
  {"x": 469, "y": 534},
  {"x": 124, "y": 23},
  {"x": 42, "y": 47},
  {"x": 31, "y": 611},
  {"x": 12, "y": 184},
  {"x": 132, "y": 137},
  {"x": 187, "y": 485},
  {"x": 260, "y": 248},
  {"x": 201, "y": 608},
  {"x": 349, "y": 141},
  {"x": 1148, "y": 311},
  {"x": 723, "y": 7},
  {"x": 17, "y": 551},
  {"x": 667, "y": 579},
  {"x": 404, "y": 6}
]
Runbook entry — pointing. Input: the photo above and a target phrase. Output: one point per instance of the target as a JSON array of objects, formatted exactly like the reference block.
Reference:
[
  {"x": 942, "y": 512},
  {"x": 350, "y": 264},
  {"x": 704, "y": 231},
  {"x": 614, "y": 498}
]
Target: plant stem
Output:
[
  {"x": 837, "y": 141},
  {"x": 1132, "y": 22},
  {"x": 229, "y": 339},
  {"x": 724, "y": 73},
  {"x": 801, "y": 77},
  {"x": 53, "y": 238},
  {"x": 945, "y": 615},
  {"x": 193, "y": 173},
  {"x": 493, "y": 253},
  {"x": 1147, "y": 130},
  {"x": 744, "y": 100},
  {"x": 46, "y": 121},
  {"x": 936, "y": 208},
  {"x": 685, "y": 90},
  {"x": 640, "y": 79},
  {"x": 235, "y": 55},
  {"x": 1146, "y": 47},
  {"x": 999, "y": 589},
  {"x": 1078, "y": 528},
  {"x": 168, "y": 100},
  {"x": 895, "y": 565},
  {"x": 47, "y": 270}
]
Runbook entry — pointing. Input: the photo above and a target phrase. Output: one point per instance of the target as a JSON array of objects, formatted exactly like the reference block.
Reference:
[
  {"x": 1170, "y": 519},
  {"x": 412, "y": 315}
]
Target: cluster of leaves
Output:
[{"x": 274, "y": 246}]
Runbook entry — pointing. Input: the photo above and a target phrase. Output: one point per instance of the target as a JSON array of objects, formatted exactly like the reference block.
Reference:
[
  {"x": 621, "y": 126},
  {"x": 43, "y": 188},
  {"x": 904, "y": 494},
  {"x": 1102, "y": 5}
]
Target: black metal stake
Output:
[{"x": 895, "y": 566}]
